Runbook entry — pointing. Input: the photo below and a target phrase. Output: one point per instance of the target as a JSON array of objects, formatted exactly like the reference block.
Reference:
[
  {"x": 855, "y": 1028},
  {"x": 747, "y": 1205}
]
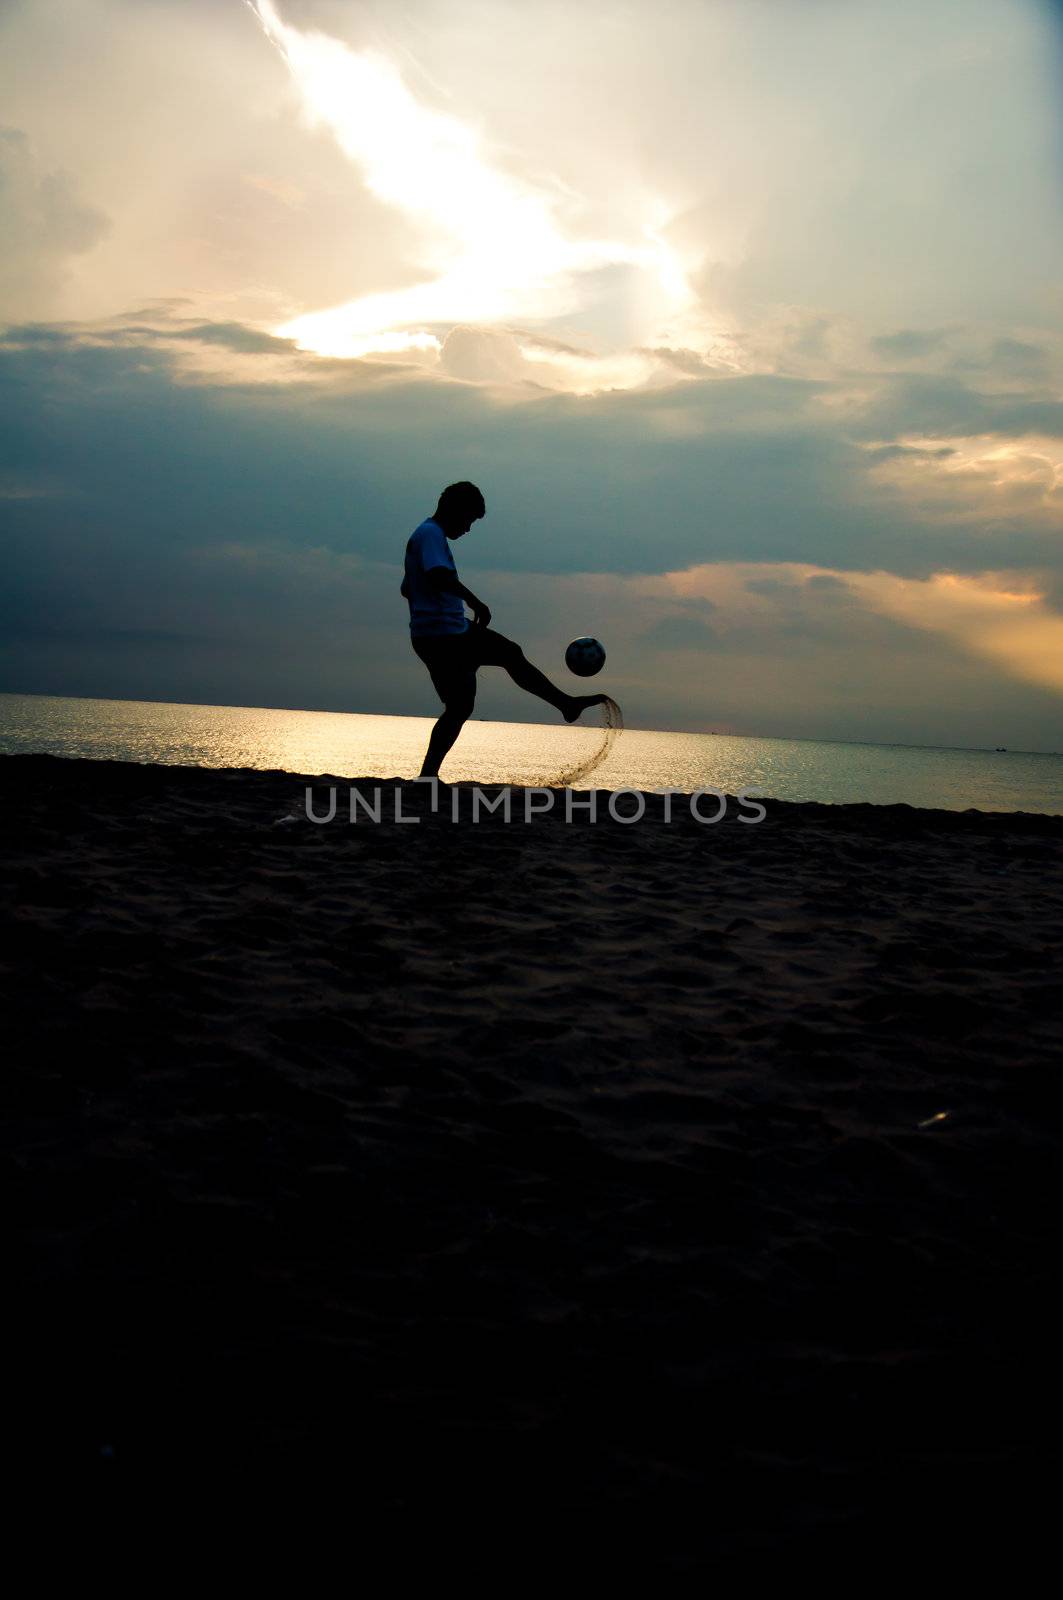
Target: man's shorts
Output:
[{"x": 452, "y": 659}]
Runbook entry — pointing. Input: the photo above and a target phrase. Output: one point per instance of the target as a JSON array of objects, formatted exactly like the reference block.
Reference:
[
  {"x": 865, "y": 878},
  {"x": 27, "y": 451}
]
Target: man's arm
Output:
[{"x": 443, "y": 579}]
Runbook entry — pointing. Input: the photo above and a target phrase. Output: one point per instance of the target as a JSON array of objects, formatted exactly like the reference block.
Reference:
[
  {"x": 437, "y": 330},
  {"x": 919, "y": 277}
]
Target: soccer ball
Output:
[{"x": 584, "y": 657}]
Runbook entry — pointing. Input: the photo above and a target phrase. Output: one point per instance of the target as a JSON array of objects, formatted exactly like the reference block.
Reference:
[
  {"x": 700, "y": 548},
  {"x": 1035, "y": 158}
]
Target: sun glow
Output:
[
  {"x": 1004, "y": 617},
  {"x": 492, "y": 246},
  {"x": 984, "y": 614},
  {"x": 957, "y": 476}
]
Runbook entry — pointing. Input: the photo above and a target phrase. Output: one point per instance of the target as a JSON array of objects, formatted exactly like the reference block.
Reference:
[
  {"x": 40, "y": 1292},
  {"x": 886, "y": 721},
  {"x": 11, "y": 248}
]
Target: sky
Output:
[{"x": 745, "y": 315}]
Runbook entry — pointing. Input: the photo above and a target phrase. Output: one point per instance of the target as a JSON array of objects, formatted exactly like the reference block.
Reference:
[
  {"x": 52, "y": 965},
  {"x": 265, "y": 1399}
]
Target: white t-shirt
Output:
[{"x": 431, "y": 611}]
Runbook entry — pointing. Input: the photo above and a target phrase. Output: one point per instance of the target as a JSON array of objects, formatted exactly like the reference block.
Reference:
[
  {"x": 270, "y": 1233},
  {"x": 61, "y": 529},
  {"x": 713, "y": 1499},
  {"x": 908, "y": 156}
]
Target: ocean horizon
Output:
[{"x": 367, "y": 745}]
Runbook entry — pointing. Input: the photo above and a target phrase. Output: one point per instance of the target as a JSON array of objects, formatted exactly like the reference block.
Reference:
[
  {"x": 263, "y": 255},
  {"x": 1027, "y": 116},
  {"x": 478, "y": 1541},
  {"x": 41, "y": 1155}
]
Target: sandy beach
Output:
[{"x": 691, "y": 1180}]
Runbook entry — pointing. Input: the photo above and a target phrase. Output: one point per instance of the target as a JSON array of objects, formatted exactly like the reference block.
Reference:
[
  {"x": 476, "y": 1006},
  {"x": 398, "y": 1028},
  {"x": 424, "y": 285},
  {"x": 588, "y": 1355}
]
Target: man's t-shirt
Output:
[{"x": 432, "y": 612}]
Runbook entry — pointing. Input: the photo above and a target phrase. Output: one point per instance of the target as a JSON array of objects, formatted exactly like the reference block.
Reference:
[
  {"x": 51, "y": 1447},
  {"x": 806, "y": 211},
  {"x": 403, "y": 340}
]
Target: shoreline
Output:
[{"x": 776, "y": 806}]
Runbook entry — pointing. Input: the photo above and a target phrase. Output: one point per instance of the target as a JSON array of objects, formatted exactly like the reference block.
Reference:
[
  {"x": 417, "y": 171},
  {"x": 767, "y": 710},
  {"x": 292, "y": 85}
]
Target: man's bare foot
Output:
[{"x": 579, "y": 703}]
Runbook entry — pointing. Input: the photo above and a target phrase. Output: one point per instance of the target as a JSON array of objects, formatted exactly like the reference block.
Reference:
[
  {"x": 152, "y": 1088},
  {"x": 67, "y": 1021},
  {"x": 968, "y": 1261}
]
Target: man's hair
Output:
[{"x": 462, "y": 497}]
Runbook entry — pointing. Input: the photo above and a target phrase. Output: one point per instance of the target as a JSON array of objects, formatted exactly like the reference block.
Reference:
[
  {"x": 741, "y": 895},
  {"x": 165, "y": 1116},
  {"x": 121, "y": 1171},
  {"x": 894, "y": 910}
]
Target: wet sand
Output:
[{"x": 690, "y": 1185}]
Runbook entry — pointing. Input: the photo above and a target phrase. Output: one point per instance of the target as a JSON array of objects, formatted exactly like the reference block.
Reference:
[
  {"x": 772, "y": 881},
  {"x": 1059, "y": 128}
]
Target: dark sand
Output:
[{"x": 536, "y": 1176}]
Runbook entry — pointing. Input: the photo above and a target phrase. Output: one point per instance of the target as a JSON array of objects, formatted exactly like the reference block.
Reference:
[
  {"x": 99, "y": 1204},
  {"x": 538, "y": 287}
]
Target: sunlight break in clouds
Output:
[
  {"x": 1001, "y": 617},
  {"x": 1013, "y": 628},
  {"x": 959, "y": 478},
  {"x": 491, "y": 241}
]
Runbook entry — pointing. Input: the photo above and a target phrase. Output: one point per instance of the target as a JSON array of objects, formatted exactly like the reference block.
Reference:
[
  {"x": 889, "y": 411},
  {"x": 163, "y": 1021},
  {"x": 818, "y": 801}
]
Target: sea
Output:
[{"x": 351, "y": 745}]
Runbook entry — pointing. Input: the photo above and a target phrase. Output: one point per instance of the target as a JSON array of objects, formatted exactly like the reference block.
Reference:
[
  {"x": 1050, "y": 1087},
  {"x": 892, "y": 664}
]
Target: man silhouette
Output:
[{"x": 450, "y": 646}]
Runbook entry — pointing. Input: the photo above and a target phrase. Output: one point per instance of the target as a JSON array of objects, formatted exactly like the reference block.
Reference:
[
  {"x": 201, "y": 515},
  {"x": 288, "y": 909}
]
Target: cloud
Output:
[
  {"x": 985, "y": 614},
  {"x": 685, "y": 625},
  {"x": 820, "y": 167},
  {"x": 493, "y": 244},
  {"x": 909, "y": 342},
  {"x": 1016, "y": 356},
  {"x": 44, "y": 223},
  {"x": 254, "y": 532},
  {"x": 811, "y": 654},
  {"x": 184, "y": 424},
  {"x": 909, "y": 452},
  {"x": 931, "y": 404},
  {"x": 178, "y": 120},
  {"x": 234, "y": 336}
]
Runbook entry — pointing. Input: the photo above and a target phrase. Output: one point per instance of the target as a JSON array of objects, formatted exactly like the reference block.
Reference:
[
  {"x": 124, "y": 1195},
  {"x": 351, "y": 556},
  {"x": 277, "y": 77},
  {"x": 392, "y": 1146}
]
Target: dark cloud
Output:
[
  {"x": 46, "y": 333},
  {"x": 909, "y": 343},
  {"x": 234, "y": 336},
  {"x": 901, "y": 452},
  {"x": 928, "y": 404},
  {"x": 688, "y": 362},
  {"x": 682, "y": 632},
  {"x": 770, "y": 586},
  {"x": 1013, "y": 359},
  {"x": 721, "y": 469},
  {"x": 1016, "y": 356},
  {"x": 824, "y": 583},
  {"x": 240, "y": 541}
]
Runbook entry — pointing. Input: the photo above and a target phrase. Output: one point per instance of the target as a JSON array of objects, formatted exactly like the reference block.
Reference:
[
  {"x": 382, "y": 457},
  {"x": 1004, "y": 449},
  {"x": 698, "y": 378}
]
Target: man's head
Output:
[{"x": 460, "y": 505}]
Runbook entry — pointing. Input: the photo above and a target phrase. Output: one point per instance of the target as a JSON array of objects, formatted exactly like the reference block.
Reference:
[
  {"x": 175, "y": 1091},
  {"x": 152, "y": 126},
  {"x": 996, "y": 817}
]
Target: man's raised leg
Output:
[{"x": 528, "y": 677}]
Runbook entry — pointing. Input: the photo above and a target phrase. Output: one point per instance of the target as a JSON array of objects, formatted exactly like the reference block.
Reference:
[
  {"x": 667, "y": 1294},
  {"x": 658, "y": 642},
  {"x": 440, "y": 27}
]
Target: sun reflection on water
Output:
[{"x": 347, "y": 745}]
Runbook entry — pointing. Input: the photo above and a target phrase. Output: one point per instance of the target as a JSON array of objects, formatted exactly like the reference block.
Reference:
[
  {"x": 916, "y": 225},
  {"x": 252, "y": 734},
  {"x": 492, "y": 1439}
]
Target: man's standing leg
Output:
[{"x": 459, "y": 697}]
